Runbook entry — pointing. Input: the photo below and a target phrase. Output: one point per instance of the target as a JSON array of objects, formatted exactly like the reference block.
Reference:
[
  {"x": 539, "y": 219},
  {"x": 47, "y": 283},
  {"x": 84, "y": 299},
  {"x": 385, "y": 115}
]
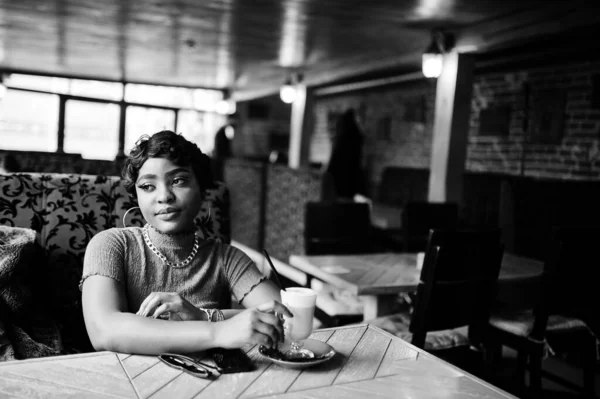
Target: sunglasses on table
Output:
[{"x": 187, "y": 365}]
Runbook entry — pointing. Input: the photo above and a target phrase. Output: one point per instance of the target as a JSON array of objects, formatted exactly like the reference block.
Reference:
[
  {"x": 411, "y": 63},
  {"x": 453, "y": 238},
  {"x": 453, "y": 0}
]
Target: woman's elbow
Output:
[
  {"x": 101, "y": 340},
  {"x": 102, "y": 335},
  {"x": 100, "y": 344}
]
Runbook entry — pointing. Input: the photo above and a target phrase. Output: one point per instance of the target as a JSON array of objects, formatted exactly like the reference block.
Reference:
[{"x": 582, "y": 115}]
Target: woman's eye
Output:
[
  {"x": 178, "y": 181},
  {"x": 145, "y": 187}
]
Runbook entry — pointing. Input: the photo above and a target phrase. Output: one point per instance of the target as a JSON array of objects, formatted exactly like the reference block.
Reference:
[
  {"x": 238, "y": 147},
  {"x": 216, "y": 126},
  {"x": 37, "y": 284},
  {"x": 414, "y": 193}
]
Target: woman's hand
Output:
[
  {"x": 258, "y": 325},
  {"x": 171, "y": 304}
]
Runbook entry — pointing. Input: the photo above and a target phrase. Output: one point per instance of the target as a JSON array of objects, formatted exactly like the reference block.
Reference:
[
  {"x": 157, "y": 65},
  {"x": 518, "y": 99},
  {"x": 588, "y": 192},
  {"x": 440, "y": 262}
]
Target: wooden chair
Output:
[
  {"x": 458, "y": 282},
  {"x": 336, "y": 228},
  {"x": 566, "y": 317},
  {"x": 419, "y": 217},
  {"x": 455, "y": 295}
]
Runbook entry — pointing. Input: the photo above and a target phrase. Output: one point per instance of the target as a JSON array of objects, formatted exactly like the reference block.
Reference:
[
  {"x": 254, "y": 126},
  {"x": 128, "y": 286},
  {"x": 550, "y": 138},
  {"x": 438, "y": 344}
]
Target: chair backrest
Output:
[
  {"x": 569, "y": 285},
  {"x": 458, "y": 281},
  {"x": 419, "y": 217},
  {"x": 337, "y": 228}
]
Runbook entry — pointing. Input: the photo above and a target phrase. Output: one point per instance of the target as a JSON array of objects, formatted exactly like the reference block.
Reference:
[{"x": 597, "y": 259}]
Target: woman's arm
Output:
[
  {"x": 111, "y": 327},
  {"x": 264, "y": 292},
  {"x": 245, "y": 280},
  {"x": 109, "y": 323},
  {"x": 266, "y": 298}
]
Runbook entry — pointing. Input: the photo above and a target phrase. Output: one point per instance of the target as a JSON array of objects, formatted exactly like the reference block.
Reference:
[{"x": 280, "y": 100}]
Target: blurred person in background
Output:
[
  {"x": 344, "y": 177},
  {"x": 222, "y": 147}
]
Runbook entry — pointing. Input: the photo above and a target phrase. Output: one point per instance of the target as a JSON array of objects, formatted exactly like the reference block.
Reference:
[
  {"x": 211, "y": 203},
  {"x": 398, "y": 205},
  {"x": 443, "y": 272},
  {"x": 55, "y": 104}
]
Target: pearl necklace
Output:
[{"x": 163, "y": 257}]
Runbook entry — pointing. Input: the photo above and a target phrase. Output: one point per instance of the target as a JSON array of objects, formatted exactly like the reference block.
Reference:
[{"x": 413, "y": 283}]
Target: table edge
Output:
[
  {"x": 433, "y": 357},
  {"x": 58, "y": 357}
]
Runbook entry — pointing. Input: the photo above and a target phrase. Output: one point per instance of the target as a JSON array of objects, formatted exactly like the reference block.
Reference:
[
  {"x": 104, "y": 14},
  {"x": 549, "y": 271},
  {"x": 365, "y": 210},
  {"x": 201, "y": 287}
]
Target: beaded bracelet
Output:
[
  {"x": 220, "y": 315},
  {"x": 211, "y": 312}
]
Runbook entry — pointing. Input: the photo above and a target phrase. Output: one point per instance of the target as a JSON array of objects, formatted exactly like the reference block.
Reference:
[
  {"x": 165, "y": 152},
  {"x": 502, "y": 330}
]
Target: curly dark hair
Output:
[{"x": 172, "y": 146}]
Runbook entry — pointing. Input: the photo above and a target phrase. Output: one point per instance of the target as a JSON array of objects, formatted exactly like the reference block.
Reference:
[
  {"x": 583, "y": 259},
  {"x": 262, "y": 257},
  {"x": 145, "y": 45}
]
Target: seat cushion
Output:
[
  {"x": 398, "y": 324},
  {"x": 520, "y": 322}
]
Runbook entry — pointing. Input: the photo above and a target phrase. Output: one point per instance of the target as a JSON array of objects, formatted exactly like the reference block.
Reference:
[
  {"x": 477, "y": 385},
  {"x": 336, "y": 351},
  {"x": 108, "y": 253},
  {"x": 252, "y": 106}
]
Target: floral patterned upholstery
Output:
[{"x": 67, "y": 211}]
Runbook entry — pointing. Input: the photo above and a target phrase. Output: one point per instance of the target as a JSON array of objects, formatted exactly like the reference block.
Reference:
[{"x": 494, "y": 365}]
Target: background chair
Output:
[
  {"x": 337, "y": 228},
  {"x": 566, "y": 316},
  {"x": 455, "y": 295},
  {"x": 419, "y": 217}
]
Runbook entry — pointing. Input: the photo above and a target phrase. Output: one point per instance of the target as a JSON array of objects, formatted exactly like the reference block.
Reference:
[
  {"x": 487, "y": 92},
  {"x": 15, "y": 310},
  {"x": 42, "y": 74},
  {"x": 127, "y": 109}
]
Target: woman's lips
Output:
[
  {"x": 167, "y": 214},
  {"x": 167, "y": 210}
]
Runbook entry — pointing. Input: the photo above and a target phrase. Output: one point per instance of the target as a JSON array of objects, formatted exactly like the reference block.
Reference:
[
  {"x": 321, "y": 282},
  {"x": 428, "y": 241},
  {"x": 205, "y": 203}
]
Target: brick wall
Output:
[
  {"x": 537, "y": 98},
  {"x": 397, "y": 124},
  {"x": 263, "y": 126},
  {"x": 539, "y": 122}
]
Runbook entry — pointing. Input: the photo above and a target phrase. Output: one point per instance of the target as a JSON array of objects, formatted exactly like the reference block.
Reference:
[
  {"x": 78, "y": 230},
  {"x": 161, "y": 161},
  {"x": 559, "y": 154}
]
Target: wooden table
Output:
[
  {"x": 378, "y": 278},
  {"x": 369, "y": 362}
]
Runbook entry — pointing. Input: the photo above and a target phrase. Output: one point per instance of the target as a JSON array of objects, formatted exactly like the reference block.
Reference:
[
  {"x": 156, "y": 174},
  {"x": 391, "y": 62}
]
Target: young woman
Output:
[{"x": 156, "y": 289}]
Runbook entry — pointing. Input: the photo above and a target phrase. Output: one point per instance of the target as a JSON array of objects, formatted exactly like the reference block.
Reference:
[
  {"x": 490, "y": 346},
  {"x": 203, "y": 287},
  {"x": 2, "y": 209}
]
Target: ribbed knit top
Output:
[{"x": 217, "y": 271}]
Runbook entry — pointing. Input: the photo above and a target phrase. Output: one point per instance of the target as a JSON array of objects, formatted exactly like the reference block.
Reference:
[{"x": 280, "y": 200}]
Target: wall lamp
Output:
[
  {"x": 226, "y": 106},
  {"x": 433, "y": 57},
  {"x": 287, "y": 92}
]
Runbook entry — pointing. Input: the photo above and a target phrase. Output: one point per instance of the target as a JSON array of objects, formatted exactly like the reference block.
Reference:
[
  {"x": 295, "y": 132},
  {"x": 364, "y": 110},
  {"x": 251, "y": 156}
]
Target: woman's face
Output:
[{"x": 168, "y": 195}]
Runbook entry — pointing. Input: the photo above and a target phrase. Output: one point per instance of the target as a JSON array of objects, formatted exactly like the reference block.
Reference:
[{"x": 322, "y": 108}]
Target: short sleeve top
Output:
[{"x": 217, "y": 272}]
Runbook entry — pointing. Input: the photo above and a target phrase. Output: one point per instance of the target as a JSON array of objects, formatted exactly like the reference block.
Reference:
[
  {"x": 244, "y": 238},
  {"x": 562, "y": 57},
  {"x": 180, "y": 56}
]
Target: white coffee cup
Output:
[{"x": 301, "y": 302}]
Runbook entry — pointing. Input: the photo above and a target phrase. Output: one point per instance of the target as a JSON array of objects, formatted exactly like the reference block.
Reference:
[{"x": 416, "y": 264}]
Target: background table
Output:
[
  {"x": 369, "y": 362},
  {"x": 378, "y": 278}
]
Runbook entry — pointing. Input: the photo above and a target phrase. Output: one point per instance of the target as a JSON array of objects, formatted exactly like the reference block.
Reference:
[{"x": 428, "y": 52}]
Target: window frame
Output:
[{"x": 63, "y": 98}]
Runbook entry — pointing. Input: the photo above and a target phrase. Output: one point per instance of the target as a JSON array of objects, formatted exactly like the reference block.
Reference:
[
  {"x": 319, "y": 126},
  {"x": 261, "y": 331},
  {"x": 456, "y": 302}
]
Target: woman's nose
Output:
[{"x": 165, "y": 195}]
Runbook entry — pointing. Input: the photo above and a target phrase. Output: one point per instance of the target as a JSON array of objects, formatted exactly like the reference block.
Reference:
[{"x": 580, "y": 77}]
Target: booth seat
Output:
[{"x": 66, "y": 211}]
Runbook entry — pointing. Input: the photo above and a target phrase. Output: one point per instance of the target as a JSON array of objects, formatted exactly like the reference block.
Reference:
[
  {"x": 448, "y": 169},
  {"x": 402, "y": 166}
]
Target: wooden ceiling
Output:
[{"x": 251, "y": 46}]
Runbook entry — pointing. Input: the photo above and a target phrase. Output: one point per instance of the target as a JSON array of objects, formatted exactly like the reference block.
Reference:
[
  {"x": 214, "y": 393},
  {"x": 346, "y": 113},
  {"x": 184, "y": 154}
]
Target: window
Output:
[
  {"x": 76, "y": 87},
  {"x": 141, "y": 120},
  {"x": 29, "y": 121},
  {"x": 206, "y": 100},
  {"x": 200, "y": 128},
  {"x": 176, "y": 97},
  {"x": 97, "y": 89},
  {"x": 30, "y": 112},
  {"x": 92, "y": 129},
  {"x": 41, "y": 83}
]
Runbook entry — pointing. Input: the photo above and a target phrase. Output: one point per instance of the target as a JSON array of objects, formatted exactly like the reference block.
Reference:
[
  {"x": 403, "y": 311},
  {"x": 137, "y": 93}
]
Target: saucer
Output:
[{"x": 323, "y": 352}]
